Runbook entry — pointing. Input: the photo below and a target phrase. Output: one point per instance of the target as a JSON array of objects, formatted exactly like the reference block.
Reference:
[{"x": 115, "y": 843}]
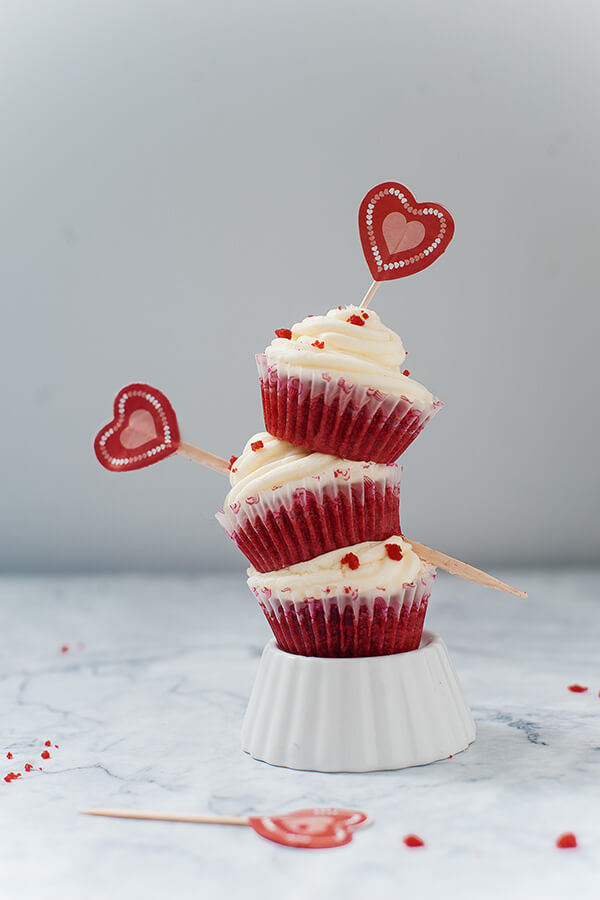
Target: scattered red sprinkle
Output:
[
  {"x": 365, "y": 315},
  {"x": 319, "y": 344},
  {"x": 413, "y": 840},
  {"x": 566, "y": 841},
  {"x": 64, "y": 648},
  {"x": 232, "y": 459},
  {"x": 28, "y": 767},
  {"x": 9, "y": 755},
  {"x": 355, "y": 320},
  {"x": 256, "y": 445},
  {"x": 284, "y": 333},
  {"x": 45, "y": 755},
  {"x": 351, "y": 560},
  {"x": 57, "y": 747},
  {"x": 406, "y": 372},
  {"x": 47, "y": 743},
  {"x": 450, "y": 757},
  {"x": 394, "y": 551},
  {"x": 12, "y": 776},
  {"x": 339, "y": 307},
  {"x": 577, "y": 688}
]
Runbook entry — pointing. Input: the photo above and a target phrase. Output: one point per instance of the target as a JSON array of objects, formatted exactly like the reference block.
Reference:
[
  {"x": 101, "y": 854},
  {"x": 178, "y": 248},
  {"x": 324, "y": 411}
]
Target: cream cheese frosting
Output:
[
  {"x": 267, "y": 463},
  {"x": 369, "y": 354},
  {"x": 332, "y": 572}
]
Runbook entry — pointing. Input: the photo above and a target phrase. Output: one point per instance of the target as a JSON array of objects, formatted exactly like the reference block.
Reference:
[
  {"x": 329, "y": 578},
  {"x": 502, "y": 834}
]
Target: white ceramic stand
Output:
[{"x": 357, "y": 715}]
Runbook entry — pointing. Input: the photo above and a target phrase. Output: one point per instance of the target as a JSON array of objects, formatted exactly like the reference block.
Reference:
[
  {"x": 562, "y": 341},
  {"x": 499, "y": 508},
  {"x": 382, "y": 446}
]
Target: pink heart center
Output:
[
  {"x": 401, "y": 235},
  {"x": 140, "y": 429}
]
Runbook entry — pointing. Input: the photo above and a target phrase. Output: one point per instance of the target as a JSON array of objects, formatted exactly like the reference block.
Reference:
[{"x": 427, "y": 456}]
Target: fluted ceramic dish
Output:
[{"x": 357, "y": 715}]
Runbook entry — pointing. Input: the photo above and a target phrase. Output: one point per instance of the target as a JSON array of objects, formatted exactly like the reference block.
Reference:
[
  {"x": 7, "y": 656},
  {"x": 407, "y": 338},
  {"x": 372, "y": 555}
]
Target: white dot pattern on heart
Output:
[
  {"x": 429, "y": 211},
  {"x": 128, "y": 460}
]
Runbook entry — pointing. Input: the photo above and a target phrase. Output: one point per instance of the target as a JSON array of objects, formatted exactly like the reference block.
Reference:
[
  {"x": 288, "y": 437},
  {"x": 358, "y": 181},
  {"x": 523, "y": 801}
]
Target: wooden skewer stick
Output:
[
  {"x": 166, "y": 817},
  {"x": 435, "y": 557},
  {"x": 369, "y": 295},
  {"x": 462, "y": 569},
  {"x": 204, "y": 457}
]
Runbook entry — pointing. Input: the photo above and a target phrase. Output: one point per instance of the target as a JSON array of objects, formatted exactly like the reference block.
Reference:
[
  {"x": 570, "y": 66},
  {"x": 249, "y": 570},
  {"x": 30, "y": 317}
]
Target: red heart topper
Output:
[
  {"x": 400, "y": 236},
  {"x": 143, "y": 431},
  {"x": 310, "y": 828}
]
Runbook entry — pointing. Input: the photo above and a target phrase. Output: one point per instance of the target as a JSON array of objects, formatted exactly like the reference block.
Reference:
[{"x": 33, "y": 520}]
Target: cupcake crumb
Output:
[
  {"x": 566, "y": 841},
  {"x": 394, "y": 551},
  {"x": 355, "y": 320},
  {"x": 351, "y": 560}
]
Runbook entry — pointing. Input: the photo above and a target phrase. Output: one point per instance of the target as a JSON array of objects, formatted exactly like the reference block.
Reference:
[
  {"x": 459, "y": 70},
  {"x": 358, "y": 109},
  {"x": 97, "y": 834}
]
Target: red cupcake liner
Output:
[
  {"x": 307, "y": 518},
  {"x": 327, "y": 414},
  {"x": 369, "y": 623}
]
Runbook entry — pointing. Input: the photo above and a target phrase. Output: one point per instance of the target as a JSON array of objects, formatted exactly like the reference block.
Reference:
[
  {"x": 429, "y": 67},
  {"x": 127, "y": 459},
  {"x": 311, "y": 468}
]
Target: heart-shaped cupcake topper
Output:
[
  {"x": 143, "y": 431},
  {"x": 398, "y": 235},
  {"x": 309, "y": 829}
]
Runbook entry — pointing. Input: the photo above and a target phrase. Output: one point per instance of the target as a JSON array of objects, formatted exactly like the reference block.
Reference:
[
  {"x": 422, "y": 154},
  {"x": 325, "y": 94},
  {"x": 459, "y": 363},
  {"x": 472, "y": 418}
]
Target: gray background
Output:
[{"x": 134, "y": 132}]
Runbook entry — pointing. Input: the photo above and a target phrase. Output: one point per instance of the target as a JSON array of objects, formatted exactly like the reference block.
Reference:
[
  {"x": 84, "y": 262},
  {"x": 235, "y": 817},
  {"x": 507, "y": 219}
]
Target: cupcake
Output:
[
  {"x": 288, "y": 504},
  {"x": 366, "y": 600},
  {"x": 334, "y": 384}
]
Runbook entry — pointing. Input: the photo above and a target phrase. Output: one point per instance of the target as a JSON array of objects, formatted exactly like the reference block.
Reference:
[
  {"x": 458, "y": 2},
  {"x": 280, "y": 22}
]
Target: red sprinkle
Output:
[
  {"x": 9, "y": 755},
  {"x": 393, "y": 551},
  {"x": 355, "y": 320},
  {"x": 566, "y": 841},
  {"x": 406, "y": 372},
  {"x": 577, "y": 688},
  {"x": 256, "y": 445},
  {"x": 284, "y": 333},
  {"x": 57, "y": 747},
  {"x": 351, "y": 560},
  {"x": 12, "y": 776},
  {"x": 319, "y": 344},
  {"x": 365, "y": 315},
  {"x": 45, "y": 755},
  {"x": 64, "y": 648},
  {"x": 28, "y": 767},
  {"x": 232, "y": 459},
  {"x": 47, "y": 743},
  {"x": 413, "y": 840}
]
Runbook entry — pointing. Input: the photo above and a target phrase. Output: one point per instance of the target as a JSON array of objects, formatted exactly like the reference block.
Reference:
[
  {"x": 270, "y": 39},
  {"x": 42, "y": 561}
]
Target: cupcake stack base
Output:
[{"x": 359, "y": 714}]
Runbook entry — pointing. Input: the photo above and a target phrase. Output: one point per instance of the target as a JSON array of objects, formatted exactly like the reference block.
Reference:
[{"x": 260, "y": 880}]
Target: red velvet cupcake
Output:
[
  {"x": 334, "y": 384},
  {"x": 366, "y": 600},
  {"x": 288, "y": 504}
]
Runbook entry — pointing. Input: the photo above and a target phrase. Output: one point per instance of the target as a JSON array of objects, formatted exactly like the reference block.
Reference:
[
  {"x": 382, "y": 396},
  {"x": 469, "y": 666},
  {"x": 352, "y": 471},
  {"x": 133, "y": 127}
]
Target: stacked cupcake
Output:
[{"x": 314, "y": 500}]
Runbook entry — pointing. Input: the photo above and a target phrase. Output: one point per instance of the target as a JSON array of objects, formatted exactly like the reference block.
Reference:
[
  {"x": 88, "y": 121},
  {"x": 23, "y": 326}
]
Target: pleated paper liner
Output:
[
  {"x": 347, "y": 622},
  {"x": 311, "y": 516},
  {"x": 325, "y": 413}
]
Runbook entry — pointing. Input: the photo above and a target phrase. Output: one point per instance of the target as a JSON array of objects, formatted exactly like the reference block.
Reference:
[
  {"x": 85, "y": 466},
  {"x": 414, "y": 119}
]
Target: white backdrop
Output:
[{"x": 131, "y": 134}]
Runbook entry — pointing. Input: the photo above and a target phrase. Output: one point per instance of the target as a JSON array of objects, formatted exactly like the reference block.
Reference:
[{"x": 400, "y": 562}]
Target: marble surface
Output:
[{"x": 146, "y": 706}]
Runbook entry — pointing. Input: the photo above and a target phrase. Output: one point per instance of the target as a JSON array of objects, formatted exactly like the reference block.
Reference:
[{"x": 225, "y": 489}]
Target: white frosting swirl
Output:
[
  {"x": 369, "y": 354},
  {"x": 277, "y": 463},
  {"x": 325, "y": 575}
]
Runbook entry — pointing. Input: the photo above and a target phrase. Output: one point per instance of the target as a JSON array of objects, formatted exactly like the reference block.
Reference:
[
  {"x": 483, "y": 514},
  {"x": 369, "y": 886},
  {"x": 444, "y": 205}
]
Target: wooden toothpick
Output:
[
  {"x": 462, "y": 569},
  {"x": 204, "y": 457},
  {"x": 166, "y": 817},
  {"x": 369, "y": 295}
]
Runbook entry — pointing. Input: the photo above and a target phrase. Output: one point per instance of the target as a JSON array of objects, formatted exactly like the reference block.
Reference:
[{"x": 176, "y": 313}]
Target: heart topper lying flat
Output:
[
  {"x": 309, "y": 829},
  {"x": 398, "y": 235},
  {"x": 144, "y": 430}
]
